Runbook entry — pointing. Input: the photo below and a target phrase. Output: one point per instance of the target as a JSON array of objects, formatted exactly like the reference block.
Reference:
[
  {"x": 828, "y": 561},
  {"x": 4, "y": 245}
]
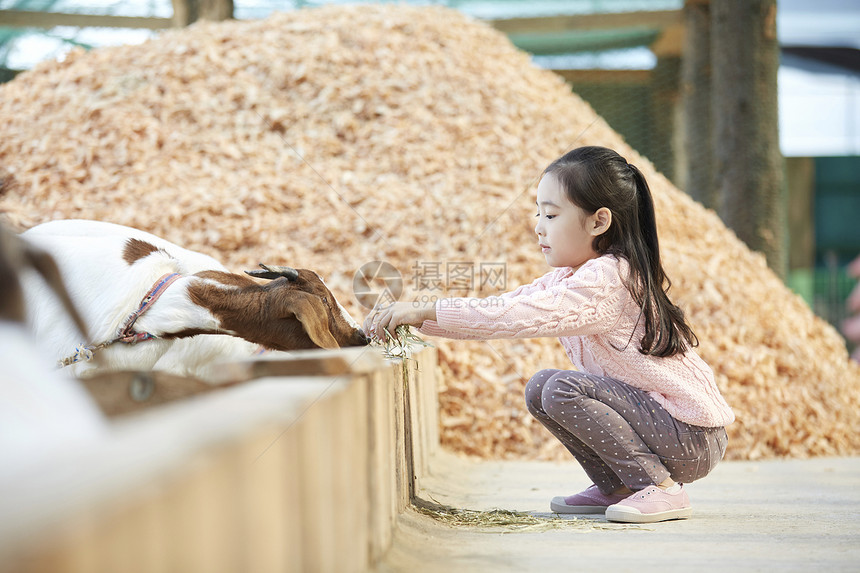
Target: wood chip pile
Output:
[{"x": 332, "y": 137}]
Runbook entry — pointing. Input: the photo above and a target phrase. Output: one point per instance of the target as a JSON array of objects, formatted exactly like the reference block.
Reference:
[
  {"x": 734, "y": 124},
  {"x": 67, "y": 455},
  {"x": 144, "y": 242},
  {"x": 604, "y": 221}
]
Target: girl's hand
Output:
[{"x": 390, "y": 316}]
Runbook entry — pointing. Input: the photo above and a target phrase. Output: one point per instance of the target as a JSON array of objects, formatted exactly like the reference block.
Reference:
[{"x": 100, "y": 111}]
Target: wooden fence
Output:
[{"x": 300, "y": 472}]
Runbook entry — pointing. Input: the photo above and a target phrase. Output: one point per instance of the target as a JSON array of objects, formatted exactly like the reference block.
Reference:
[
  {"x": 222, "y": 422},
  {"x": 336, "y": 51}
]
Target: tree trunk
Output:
[
  {"x": 664, "y": 97},
  {"x": 695, "y": 157},
  {"x": 747, "y": 168},
  {"x": 187, "y": 12}
]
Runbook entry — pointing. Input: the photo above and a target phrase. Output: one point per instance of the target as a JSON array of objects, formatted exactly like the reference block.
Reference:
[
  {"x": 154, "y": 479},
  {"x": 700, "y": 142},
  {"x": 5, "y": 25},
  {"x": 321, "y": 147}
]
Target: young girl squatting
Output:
[{"x": 641, "y": 413}]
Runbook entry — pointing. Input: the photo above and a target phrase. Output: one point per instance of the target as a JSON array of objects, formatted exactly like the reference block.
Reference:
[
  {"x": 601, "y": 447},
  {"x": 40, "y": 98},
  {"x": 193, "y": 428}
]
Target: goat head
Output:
[{"x": 324, "y": 319}]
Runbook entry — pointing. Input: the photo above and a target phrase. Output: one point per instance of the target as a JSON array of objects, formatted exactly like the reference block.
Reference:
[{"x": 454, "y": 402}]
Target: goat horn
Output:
[{"x": 274, "y": 272}]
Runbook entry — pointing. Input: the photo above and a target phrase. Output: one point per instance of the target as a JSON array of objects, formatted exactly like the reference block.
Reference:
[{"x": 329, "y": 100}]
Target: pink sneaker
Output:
[
  {"x": 650, "y": 505},
  {"x": 588, "y": 501}
]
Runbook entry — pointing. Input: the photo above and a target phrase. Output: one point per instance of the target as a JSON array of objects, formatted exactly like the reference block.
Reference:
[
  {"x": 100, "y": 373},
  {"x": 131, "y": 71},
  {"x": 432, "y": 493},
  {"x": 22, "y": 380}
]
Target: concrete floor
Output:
[{"x": 775, "y": 516}]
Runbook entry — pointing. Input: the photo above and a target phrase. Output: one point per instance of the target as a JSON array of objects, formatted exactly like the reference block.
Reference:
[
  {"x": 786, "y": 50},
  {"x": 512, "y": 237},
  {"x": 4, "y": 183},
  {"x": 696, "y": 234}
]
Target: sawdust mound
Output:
[{"x": 331, "y": 137}]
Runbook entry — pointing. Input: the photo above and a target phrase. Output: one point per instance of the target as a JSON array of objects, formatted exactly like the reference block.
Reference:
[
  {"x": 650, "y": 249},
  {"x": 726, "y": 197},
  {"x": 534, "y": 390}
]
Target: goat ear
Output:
[
  {"x": 313, "y": 314},
  {"x": 274, "y": 272}
]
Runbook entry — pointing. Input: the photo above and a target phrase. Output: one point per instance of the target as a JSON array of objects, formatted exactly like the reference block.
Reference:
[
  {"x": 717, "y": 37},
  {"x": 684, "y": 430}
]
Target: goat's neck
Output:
[{"x": 186, "y": 309}]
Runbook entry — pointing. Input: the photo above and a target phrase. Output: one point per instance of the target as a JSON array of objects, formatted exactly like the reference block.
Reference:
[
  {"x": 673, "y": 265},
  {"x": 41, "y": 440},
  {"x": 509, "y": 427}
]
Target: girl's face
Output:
[{"x": 566, "y": 232}]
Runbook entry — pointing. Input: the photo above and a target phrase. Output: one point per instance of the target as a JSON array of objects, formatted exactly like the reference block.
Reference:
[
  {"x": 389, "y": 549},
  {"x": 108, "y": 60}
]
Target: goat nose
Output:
[{"x": 363, "y": 338}]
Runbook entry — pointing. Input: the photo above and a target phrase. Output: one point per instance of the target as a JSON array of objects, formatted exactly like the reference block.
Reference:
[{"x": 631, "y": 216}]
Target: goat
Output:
[{"x": 111, "y": 270}]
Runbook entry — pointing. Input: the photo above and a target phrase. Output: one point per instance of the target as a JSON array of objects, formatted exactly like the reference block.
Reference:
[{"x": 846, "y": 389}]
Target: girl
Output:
[{"x": 641, "y": 413}]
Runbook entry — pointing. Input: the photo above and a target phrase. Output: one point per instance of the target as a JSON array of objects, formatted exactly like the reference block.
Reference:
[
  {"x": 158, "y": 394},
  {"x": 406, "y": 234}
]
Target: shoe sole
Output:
[
  {"x": 627, "y": 516},
  {"x": 557, "y": 505}
]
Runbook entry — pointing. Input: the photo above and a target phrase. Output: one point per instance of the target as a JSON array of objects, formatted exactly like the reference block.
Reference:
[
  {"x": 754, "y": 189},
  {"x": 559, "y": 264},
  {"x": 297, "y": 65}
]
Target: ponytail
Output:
[{"x": 666, "y": 331}]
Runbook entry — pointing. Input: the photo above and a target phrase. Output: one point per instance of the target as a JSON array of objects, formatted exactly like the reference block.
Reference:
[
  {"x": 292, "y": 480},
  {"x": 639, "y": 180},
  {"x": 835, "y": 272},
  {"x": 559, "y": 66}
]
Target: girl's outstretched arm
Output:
[
  {"x": 586, "y": 302},
  {"x": 416, "y": 313}
]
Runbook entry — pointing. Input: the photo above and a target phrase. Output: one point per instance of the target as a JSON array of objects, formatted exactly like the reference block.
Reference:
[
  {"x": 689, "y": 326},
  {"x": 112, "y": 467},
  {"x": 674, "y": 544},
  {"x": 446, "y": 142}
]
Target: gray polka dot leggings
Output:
[{"x": 618, "y": 433}]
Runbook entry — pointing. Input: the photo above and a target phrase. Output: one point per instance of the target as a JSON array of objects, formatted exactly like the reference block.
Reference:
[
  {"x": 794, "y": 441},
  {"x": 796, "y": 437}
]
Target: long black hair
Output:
[{"x": 595, "y": 177}]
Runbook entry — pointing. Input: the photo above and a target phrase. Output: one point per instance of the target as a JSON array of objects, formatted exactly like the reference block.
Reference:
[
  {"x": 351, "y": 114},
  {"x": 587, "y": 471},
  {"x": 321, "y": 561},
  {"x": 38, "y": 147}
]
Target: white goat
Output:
[{"x": 109, "y": 270}]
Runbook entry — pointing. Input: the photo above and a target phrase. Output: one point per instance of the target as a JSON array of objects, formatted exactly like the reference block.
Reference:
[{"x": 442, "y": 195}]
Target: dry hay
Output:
[
  {"x": 400, "y": 345},
  {"x": 331, "y": 137},
  {"x": 509, "y": 521}
]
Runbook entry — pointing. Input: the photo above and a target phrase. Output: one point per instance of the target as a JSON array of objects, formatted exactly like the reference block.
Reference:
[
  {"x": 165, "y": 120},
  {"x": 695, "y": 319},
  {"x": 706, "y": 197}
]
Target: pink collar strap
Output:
[{"x": 127, "y": 333}]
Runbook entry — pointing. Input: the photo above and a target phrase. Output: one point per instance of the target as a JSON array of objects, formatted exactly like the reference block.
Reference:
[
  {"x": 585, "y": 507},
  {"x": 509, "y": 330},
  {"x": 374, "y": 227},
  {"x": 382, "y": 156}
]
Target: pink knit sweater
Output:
[{"x": 593, "y": 315}]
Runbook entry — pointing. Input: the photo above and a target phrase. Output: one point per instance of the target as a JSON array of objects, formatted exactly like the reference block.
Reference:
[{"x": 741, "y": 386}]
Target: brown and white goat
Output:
[{"x": 110, "y": 271}]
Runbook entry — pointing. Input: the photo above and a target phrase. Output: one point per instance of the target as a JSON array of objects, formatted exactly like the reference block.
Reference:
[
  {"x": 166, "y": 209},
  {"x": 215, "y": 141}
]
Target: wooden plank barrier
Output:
[{"x": 303, "y": 466}]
